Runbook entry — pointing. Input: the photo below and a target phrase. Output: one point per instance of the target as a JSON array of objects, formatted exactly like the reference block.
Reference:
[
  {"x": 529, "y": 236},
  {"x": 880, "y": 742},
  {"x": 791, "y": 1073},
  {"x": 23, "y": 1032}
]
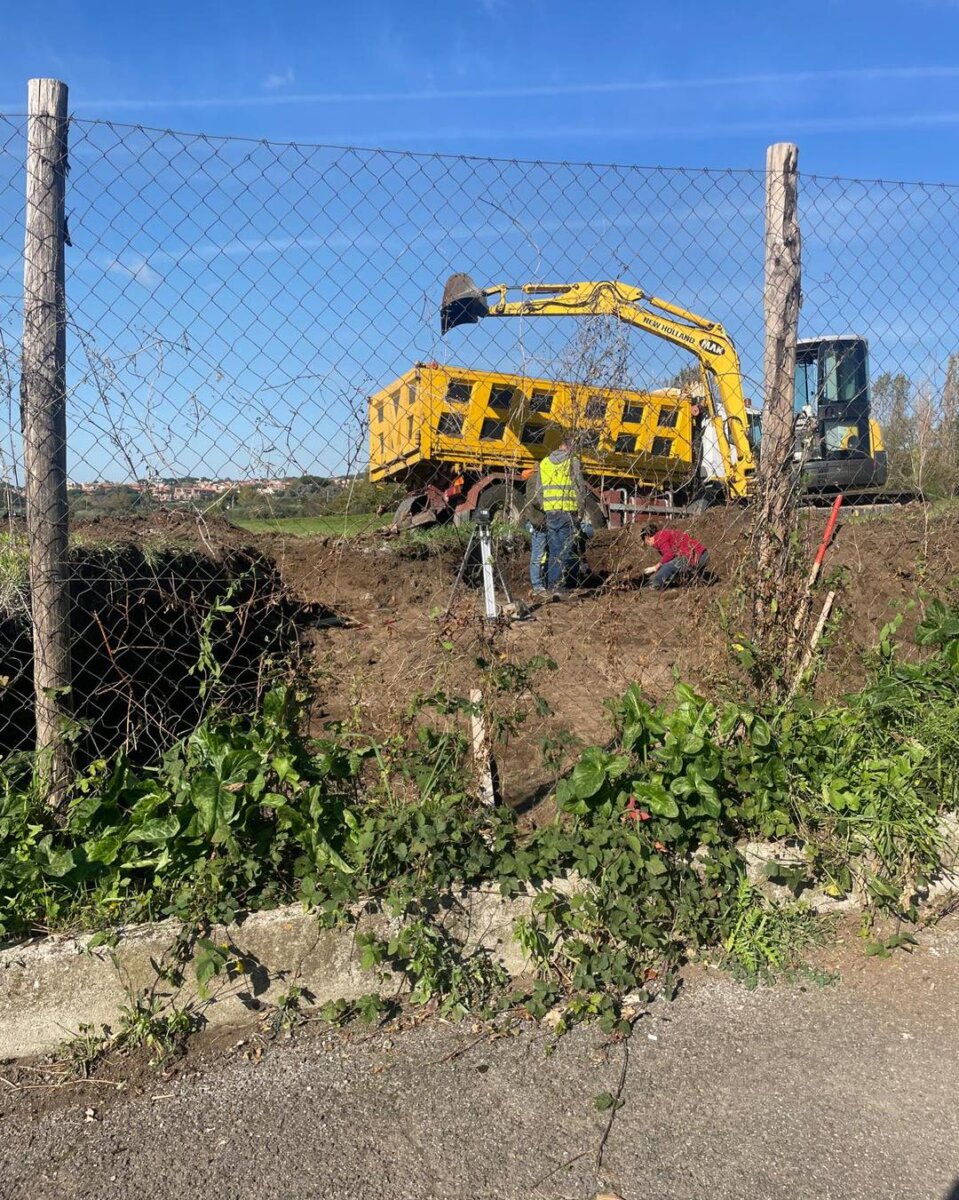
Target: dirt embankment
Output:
[
  {"x": 602, "y": 640},
  {"x": 168, "y": 619},
  {"x": 396, "y": 645}
]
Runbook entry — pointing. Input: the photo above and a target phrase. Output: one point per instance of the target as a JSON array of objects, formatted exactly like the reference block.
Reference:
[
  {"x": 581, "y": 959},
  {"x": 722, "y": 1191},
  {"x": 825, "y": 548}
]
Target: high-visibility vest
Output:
[{"x": 559, "y": 491}]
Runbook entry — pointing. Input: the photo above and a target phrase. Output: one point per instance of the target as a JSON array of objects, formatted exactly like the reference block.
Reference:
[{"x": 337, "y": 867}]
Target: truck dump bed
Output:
[{"x": 479, "y": 420}]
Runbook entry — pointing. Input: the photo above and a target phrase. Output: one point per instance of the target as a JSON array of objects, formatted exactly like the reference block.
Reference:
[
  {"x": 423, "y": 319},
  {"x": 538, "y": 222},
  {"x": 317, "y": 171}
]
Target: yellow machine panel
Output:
[{"x": 479, "y": 421}]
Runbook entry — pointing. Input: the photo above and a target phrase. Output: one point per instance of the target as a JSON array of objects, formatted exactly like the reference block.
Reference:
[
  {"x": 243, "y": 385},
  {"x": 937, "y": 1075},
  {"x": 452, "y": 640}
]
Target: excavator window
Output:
[
  {"x": 755, "y": 430},
  {"x": 832, "y": 383},
  {"x": 807, "y": 372}
]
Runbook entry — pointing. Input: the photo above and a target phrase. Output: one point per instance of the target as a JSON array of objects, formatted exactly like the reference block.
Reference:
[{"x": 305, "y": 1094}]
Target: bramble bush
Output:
[{"x": 247, "y": 813}]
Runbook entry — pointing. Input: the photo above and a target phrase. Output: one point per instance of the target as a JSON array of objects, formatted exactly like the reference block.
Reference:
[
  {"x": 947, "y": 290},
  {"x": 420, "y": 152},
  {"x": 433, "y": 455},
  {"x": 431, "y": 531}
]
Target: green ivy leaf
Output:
[
  {"x": 156, "y": 829},
  {"x": 588, "y": 777},
  {"x": 655, "y": 797},
  {"x": 215, "y": 806},
  {"x": 104, "y": 849},
  {"x": 59, "y": 863},
  {"x": 760, "y": 734}
]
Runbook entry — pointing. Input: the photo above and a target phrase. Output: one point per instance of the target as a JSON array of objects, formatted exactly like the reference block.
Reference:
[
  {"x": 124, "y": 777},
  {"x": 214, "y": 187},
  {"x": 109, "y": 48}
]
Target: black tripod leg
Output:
[{"x": 461, "y": 572}]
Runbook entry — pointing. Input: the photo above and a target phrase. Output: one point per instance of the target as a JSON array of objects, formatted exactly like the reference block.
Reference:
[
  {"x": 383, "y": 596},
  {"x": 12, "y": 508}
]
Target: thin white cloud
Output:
[
  {"x": 278, "y": 80},
  {"x": 135, "y": 268},
  {"x": 782, "y": 126},
  {"x": 614, "y": 87}
]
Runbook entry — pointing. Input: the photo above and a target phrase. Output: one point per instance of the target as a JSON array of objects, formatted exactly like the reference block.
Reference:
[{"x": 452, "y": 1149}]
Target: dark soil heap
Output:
[{"x": 163, "y": 631}]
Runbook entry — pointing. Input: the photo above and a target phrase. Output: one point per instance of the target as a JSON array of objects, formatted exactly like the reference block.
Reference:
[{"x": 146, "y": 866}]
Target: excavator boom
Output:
[{"x": 466, "y": 304}]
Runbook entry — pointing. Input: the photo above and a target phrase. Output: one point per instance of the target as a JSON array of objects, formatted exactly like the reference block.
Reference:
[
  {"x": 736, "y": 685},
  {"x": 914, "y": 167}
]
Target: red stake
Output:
[
  {"x": 826, "y": 539},
  {"x": 803, "y": 609}
]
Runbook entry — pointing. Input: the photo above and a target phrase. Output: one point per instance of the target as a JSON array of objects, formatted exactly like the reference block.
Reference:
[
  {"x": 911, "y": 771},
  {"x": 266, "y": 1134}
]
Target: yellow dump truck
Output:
[{"x": 462, "y": 440}]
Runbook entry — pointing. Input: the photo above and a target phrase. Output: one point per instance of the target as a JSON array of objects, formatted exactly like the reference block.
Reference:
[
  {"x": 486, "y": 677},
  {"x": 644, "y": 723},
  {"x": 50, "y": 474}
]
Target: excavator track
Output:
[{"x": 867, "y": 499}]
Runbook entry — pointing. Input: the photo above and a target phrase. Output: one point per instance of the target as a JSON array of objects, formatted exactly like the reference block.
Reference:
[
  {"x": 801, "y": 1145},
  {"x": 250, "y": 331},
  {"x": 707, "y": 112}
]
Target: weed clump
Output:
[{"x": 641, "y": 867}]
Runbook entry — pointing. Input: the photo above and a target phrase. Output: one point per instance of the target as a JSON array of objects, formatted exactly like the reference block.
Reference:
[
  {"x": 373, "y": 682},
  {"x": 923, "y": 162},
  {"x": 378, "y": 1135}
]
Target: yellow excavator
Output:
[{"x": 838, "y": 444}]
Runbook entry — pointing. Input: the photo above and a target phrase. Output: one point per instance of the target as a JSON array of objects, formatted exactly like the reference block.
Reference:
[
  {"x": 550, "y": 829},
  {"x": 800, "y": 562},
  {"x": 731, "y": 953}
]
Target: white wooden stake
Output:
[{"x": 481, "y": 749}]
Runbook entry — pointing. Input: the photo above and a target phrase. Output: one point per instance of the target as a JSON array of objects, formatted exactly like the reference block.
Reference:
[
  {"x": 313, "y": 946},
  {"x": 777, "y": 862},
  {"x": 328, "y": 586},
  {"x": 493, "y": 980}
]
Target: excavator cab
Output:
[{"x": 838, "y": 443}]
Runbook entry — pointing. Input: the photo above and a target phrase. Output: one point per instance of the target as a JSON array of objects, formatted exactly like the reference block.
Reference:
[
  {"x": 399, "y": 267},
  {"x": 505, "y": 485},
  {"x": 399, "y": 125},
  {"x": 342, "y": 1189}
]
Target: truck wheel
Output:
[
  {"x": 709, "y": 499},
  {"x": 408, "y": 508},
  {"x": 502, "y": 502}
]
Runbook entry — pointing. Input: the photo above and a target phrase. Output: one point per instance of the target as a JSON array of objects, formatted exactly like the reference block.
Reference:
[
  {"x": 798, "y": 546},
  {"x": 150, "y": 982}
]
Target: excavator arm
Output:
[{"x": 465, "y": 304}]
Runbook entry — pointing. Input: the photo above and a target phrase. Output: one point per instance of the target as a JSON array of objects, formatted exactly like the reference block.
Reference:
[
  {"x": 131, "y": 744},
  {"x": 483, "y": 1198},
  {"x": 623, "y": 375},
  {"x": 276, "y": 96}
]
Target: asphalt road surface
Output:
[{"x": 825, "y": 1093}]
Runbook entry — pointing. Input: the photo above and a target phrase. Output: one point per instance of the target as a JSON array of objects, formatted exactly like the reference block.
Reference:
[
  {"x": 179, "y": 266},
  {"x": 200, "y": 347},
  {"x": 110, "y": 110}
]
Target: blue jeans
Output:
[
  {"x": 537, "y": 558},
  {"x": 560, "y": 541},
  {"x": 579, "y": 570},
  {"x": 680, "y": 569}
]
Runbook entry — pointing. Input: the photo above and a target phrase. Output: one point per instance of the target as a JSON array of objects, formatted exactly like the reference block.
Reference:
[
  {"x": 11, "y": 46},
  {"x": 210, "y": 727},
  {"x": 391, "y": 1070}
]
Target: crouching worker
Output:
[{"x": 681, "y": 557}]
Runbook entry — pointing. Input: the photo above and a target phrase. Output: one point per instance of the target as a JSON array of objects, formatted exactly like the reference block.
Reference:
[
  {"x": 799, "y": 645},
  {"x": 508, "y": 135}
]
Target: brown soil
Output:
[
  {"x": 603, "y": 639},
  {"x": 396, "y": 645},
  {"x": 154, "y": 642}
]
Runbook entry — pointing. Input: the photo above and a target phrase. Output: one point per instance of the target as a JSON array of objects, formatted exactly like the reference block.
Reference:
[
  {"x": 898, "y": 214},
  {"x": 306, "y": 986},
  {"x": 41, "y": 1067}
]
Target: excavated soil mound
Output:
[
  {"x": 605, "y": 638},
  {"x": 162, "y": 631},
  {"x": 393, "y": 643}
]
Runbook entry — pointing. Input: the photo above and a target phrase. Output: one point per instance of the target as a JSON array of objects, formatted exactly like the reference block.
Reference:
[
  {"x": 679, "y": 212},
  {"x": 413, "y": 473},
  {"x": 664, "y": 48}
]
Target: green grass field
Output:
[{"x": 340, "y": 525}]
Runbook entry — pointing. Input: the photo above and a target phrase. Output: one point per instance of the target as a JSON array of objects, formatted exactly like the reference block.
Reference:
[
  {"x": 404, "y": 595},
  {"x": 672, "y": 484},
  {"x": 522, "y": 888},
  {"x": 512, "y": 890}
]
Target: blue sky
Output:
[
  {"x": 233, "y": 303},
  {"x": 866, "y": 88}
]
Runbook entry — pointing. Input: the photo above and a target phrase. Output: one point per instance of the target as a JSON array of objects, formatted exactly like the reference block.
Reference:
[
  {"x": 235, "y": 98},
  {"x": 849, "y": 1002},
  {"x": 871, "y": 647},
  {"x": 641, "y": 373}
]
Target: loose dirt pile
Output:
[
  {"x": 602, "y": 640},
  {"x": 393, "y": 644},
  {"x": 167, "y": 623}
]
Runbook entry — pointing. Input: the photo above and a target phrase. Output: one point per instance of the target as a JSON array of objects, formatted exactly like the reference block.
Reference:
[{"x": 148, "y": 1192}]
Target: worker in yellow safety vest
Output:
[{"x": 558, "y": 489}]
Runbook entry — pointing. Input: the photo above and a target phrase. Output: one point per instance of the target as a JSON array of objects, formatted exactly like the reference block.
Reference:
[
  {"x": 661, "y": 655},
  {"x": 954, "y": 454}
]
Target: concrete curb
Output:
[{"x": 49, "y": 987}]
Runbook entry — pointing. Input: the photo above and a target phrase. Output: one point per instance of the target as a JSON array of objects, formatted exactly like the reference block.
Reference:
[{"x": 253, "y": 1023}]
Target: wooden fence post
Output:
[
  {"x": 777, "y": 485},
  {"x": 43, "y": 409}
]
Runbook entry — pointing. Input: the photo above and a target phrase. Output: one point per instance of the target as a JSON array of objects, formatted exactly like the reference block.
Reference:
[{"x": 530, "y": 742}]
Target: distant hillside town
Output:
[{"x": 306, "y": 495}]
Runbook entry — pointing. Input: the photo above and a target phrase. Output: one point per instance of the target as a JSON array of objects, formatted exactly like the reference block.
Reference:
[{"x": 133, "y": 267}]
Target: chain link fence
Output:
[{"x": 257, "y": 383}]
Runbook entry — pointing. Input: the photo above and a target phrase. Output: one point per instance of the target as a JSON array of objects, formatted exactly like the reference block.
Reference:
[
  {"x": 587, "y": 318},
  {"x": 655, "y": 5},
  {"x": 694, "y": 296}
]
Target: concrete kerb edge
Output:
[{"x": 51, "y": 986}]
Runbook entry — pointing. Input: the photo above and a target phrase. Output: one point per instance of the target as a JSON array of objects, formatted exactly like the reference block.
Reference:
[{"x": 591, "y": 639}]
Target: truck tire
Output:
[
  {"x": 408, "y": 508},
  {"x": 711, "y": 497},
  {"x": 502, "y": 502}
]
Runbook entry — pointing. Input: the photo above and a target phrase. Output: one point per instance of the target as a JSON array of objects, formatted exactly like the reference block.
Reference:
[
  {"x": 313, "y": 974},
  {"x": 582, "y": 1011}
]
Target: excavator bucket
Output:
[{"x": 463, "y": 303}]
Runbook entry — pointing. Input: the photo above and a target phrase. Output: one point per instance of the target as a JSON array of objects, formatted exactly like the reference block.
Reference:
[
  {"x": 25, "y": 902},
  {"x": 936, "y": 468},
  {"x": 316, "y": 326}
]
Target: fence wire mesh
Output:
[{"x": 254, "y": 353}]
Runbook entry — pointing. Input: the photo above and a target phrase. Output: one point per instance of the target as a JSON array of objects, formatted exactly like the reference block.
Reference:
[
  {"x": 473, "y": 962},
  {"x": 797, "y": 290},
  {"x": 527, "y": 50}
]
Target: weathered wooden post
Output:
[
  {"x": 777, "y": 485},
  {"x": 43, "y": 408}
]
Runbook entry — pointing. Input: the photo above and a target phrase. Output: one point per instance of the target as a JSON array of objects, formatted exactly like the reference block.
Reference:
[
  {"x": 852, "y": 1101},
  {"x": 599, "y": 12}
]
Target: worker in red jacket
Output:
[{"x": 681, "y": 557}]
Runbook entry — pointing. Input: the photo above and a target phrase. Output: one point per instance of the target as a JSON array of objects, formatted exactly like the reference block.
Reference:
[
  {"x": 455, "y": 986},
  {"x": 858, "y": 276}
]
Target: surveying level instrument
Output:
[{"x": 481, "y": 535}]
